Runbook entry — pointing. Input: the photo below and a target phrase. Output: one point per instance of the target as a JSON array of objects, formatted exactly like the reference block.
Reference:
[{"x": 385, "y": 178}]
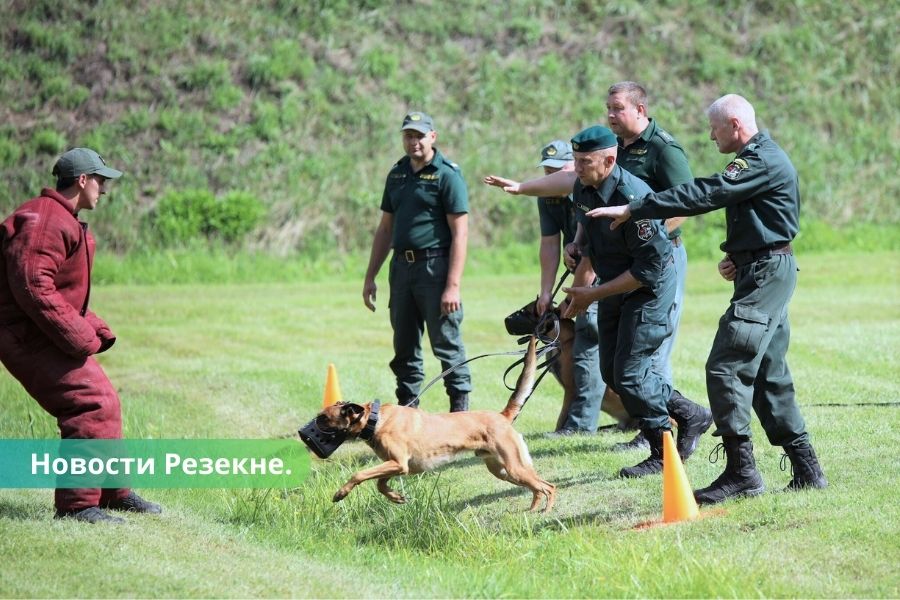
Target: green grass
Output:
[{"x": 249, "y": 361}]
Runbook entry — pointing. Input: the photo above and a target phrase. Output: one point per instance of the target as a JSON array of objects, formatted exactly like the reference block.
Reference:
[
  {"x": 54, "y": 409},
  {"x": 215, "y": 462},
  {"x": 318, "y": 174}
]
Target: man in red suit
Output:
[{"x": 48, "y": 336}]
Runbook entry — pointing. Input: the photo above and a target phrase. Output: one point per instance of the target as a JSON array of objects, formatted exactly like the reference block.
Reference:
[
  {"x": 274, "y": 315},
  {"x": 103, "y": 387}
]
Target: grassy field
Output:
[{"x": 249, "y": 361}]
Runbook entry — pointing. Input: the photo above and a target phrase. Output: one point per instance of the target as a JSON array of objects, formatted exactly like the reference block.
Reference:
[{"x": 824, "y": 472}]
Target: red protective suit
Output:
[{"x": 47, "y": 333}]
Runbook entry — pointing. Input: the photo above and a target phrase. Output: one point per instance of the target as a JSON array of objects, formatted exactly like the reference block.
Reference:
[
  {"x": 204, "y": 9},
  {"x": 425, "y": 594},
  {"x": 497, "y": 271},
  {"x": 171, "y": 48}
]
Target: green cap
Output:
[
  {"x": 593, "y": 138},
  {"x": 418, "y": 121},
  {"x": 556, "y": 154},
  {"x": 83, "y": 161}
]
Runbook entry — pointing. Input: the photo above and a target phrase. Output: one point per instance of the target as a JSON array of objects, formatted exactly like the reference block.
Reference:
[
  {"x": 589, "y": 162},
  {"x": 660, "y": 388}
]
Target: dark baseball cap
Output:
[
  {"x": 556, "y": 154},
  {"x": 83, "y": 161},
  {"x": 418, "y": 121},
  {"x": 593, "y": 138}
]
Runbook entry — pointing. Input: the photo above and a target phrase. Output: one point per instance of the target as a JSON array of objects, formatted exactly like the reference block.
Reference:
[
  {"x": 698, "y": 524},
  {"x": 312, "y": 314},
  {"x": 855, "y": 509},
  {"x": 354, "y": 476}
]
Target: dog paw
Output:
[{"x": 396, "y": 498}]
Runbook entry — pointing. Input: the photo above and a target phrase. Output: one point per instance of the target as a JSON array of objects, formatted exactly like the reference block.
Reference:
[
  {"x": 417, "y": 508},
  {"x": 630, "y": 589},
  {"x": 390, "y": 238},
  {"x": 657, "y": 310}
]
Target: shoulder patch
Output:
[
  {"x": 453, "y": 165},
  {"x": 644, "y": 229},
  {"x": 735, "y": 168},
  {"x": 665, "y": 135}
]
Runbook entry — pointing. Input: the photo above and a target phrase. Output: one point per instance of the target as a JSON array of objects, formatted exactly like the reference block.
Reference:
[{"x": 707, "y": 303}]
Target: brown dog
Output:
[{"x": 409, "y": 440}]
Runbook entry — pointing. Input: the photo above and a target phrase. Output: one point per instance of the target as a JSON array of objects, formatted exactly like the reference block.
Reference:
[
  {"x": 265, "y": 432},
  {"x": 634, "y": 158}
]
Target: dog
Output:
[{"x": 411, "y": 441}]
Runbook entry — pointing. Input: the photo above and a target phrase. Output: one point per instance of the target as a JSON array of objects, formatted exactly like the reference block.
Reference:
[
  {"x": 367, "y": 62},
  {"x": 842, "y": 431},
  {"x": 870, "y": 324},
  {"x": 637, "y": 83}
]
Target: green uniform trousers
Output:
[
  {"x": 415, "y": 303},
  {"x": 631, "y": 328},
  {"x": 746, "y": 366}
]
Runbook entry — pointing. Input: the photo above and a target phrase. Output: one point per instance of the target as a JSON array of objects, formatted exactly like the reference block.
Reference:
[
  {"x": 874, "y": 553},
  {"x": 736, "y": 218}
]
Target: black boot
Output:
[
  {"x": 459, "y": 402},
  {"x": 805, "y": 469},
  {"x": 410, "y": 401},
  {"x": 91, "y": 515},
  {"x": 134, "y": 503},
  {"x": 693, "y": 421},
  {"x": 638, "y": 442},
  {"x": 653, "y": 463},
  {"x": 740, "y": 477}
]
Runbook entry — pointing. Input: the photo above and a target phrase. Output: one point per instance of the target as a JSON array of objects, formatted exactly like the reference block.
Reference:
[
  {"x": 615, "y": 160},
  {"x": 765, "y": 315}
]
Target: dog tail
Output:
[{"x": 525, "y": 383}]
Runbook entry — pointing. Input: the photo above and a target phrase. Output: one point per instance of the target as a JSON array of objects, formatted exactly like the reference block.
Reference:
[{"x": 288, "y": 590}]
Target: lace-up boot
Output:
[
  {"x": 653, "y": 463},
  {"x": 740, "y": 477},
  {"x": 693, "y": 420},
  {"x": 639, "y": 442},
  {"x": 134, "y": 503},
  {"x": 805, "y": 469},
  {"x": 92, "y": 515}
]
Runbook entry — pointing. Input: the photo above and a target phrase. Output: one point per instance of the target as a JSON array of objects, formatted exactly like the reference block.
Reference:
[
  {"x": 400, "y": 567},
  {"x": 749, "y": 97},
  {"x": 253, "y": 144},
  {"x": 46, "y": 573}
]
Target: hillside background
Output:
[{"x": 285, "y": 113}]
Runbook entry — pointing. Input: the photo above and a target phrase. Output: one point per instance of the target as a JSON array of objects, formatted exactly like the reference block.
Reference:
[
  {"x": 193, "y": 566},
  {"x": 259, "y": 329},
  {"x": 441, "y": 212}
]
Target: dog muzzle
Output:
[{"x": 322, "y": 441}]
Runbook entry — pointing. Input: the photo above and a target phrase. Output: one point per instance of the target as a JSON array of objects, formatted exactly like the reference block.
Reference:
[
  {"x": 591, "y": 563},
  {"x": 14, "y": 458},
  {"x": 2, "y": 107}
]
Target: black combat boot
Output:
[
  {"x": 638, "y": 442},
  {"x": 410, "y": 401},
  {"x": 653, "y": 463},
  {"x": 805, "y": 469},
  {"x": 92, "y": 515},
  {"x": 740, "y": 477},
  {"x": 134, "y": 503},
  {"x": 693, "y": 420},
  {"x": 459, "y": 402}
]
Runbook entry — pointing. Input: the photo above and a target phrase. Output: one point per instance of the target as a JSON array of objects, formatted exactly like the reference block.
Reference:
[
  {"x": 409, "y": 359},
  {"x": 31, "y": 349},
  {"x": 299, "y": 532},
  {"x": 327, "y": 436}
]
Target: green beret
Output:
[{"x": 593, "y": 138}]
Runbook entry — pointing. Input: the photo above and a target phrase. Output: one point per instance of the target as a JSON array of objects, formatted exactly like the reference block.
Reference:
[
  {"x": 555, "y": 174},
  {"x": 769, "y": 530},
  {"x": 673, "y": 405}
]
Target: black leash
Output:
[{"x": 540, "y": 332}]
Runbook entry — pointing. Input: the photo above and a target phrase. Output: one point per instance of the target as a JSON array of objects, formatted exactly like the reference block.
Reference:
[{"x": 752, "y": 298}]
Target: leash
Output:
[{"x": 540, "y": 333}]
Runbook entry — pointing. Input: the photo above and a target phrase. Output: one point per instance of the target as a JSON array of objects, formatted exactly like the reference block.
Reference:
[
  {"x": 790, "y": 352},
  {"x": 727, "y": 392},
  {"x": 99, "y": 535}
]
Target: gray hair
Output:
[{"x": 733, "y": 106}]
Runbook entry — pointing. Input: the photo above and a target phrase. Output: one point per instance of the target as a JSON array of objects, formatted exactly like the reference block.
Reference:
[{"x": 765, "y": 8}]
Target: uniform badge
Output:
[
  {"x": 575, "y": 146},
  {"x": 551, "y": 151},
  {"x": 735, "y": 168},
  {"x": 583, "y": 207},
  {"x": 638, "y": 151},
  {"x": 415, "y": 117},
  {"x": 644, "y": 229}
]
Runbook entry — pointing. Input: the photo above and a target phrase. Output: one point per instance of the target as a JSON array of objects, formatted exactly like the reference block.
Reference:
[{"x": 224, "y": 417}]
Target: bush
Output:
[
  {"x": 48, "y": 141},
  {"x": 182, "y": 217}
]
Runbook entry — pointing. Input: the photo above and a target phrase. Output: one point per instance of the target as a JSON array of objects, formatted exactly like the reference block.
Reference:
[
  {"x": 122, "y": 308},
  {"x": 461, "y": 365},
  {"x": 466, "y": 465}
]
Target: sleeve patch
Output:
[
  {"x": 735, "y": 168},
  {"x": 644, "y": 229}
]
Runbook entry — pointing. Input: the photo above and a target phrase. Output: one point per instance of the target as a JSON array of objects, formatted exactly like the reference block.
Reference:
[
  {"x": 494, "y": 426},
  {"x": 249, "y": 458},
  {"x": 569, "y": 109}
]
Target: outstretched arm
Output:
[{"x": 555, "y": 184}]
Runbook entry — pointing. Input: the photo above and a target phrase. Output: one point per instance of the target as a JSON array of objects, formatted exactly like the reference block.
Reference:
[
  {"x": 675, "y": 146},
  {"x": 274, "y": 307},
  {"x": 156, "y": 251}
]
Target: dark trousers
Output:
[
  {"x": 632, "y": 327},
  {"x": 415, "y": 304},
  {"x": 746, "y": 366},
  {"x": 75, "y": 391}
]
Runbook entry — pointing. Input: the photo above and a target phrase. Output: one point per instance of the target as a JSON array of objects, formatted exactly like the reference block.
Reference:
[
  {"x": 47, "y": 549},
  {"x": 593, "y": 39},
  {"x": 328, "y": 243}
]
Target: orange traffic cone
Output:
[
  {"x": 678, "y": 498},
  {"x": 332, "y": 388}
]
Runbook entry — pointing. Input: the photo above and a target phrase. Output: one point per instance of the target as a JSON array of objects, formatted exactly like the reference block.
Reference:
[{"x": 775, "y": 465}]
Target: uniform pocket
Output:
[
  {"x": 651, "y": 330},
  {"x": 748, "y": 328}
]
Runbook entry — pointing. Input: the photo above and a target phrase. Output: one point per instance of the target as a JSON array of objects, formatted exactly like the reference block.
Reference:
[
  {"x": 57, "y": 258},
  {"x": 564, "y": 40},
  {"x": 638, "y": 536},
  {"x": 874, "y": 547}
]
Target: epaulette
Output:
[
  {"x": 626, "y": 190},
  {"x": 453, "y": 165},
  {"x": 665, "y": 135}
]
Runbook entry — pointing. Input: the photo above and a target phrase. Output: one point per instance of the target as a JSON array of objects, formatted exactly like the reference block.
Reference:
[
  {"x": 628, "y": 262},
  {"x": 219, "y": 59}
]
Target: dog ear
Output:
[{"x": 351, "y": 410}]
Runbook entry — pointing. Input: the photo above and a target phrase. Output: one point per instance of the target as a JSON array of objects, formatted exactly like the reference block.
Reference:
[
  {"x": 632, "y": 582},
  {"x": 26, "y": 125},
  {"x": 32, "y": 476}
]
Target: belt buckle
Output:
[{"x": 409, "y": 255}]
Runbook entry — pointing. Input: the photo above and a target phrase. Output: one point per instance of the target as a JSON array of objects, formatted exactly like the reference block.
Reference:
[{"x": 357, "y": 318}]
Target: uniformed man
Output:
[
  {"x": 746, "y": 366},
  {"x": 637, "y": 282},
  {"x": 425, "y": 220},
  {"x": 651, "y": 153},
  {"x": 581, "y": 406}
]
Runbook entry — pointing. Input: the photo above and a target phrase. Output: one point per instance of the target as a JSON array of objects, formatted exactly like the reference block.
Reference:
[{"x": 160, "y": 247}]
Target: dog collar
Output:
[{"x": 369, "y": 430}]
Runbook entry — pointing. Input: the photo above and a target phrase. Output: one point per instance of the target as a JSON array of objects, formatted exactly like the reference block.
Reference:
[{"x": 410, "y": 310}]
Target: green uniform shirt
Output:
[
  {"x": 758, "y": 189},
  {"x": 557, "y": 215},
  {"x": 658, "y": 159},
  {"x": 420, "y": 202},
  {"x": 639, "y": 245}
]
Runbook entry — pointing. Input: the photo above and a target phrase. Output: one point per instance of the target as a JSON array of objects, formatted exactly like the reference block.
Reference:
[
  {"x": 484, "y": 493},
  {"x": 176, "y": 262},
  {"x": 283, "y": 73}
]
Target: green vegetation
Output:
[
  {"x": 249, "y": 361},
  {"x": 297, "y": 102}
]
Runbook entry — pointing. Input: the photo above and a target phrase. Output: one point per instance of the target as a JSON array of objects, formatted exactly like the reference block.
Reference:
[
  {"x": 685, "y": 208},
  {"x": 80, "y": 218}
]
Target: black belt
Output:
[
  {"x": 744, "y": 258},
  {"x": 412, "y": 256}
]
